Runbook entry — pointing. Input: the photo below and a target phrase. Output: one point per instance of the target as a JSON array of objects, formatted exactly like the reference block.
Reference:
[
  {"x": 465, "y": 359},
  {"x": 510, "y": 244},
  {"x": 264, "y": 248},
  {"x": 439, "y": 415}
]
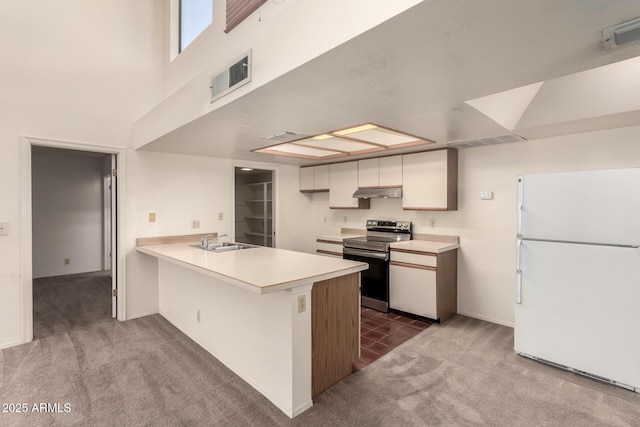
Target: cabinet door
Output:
[
  {"x": 306, "y": 179},
  {"x": 429, "y": 180},
  {"x": 390, "y": 171},
  {"x": 413, "y": 290},
  {"x": 368, "y": 173},
  {"x": 321, "y": 178},
  {"x": 343, "y": 182}
]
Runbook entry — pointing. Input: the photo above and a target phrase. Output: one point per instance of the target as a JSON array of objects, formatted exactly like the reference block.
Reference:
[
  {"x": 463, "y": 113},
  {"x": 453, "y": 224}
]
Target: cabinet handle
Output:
[{"x": 416, "y": 266}]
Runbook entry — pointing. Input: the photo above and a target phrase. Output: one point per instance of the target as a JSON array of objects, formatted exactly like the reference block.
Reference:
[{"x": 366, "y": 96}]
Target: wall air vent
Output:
[
  {"x": 236, "y": 75},
  {"x": 502, "y": 139},
  {"x": 620, "y": 34}
]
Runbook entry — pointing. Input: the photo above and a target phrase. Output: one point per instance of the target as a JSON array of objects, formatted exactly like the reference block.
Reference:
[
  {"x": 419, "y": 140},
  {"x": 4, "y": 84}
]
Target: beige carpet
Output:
[
  {"x": 146, "y": 372},
  {"x": 63, "y": 303}
]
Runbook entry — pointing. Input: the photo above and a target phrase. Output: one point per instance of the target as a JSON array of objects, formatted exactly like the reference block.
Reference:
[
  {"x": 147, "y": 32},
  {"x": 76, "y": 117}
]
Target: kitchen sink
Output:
[{"x": 226, "y": 246}]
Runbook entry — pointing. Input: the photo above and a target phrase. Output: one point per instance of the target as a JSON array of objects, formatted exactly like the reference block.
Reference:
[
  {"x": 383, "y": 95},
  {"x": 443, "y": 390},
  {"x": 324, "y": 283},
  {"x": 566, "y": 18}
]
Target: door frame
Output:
[
  {"x": 276, "y": 194},
  {"x": 27, "y": 232}
]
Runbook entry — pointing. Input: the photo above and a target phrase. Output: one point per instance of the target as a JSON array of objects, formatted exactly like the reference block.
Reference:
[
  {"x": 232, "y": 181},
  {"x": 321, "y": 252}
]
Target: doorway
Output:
[
  {"x": 254, "y": 196},
  {"x": 73, "y": 239}
]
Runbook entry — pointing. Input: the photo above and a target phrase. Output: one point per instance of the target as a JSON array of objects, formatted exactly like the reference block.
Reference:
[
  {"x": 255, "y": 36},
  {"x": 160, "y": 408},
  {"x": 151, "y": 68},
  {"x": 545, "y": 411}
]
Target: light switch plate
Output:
[
  {"x": 486, "y": 195},
  {"x": 152, "y": 217},
  {"x": 4, "y": 228}
]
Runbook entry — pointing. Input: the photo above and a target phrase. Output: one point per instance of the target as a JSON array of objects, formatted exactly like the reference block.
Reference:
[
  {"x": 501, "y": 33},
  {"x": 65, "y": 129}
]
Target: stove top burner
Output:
[{"x": 380, "y": 235}]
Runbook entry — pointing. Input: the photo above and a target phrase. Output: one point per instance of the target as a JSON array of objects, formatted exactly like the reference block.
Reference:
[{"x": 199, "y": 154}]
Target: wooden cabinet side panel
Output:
[
  {"x": 452, "y": 180},
  {"x": 447, "y": 284},
  {"x": 335, "y": 330}
]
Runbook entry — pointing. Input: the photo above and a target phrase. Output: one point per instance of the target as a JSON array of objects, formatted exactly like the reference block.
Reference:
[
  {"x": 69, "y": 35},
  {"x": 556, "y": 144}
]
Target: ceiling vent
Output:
[
  {"x": 620, "y": 34},
  {"x": 502, "y": 139},
  {"x": 286, "y": 135},
  {"x": 236, "y": 75}
]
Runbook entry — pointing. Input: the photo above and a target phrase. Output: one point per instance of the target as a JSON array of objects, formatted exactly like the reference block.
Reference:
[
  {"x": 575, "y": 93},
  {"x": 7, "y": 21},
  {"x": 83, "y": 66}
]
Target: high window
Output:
[{"x": 195, "y": 16}]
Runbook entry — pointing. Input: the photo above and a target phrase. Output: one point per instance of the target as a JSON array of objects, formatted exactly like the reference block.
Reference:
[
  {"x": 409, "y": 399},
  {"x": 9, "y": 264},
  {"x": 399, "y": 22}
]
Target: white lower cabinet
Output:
[
  {"x": 413, "y": 290},
  {"x": 331, "y": 248},
  {"x": 424, "y": 283}
]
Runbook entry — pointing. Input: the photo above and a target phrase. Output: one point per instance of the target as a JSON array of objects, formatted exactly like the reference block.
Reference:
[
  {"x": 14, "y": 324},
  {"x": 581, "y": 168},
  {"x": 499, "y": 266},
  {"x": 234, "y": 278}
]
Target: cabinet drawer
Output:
[
  {"x": 414, "y": 258},
  {"x": 413, "y": 291},
  {"x": 328, "y": 246}
]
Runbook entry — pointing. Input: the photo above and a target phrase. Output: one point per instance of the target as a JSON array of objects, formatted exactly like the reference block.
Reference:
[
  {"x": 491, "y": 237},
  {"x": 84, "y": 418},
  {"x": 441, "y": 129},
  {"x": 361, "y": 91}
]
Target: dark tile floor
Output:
[{"x": 382, "y": 332}]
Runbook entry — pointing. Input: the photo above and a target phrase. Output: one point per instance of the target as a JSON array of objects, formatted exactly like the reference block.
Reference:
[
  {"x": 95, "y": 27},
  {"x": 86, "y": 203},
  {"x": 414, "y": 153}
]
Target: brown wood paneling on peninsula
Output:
[{"x": 335, "y": 330}]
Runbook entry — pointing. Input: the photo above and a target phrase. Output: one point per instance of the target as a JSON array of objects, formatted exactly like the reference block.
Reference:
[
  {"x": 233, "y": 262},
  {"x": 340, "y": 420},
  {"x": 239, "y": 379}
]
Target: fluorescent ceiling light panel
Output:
[
  {"x": 506, "y": 108},
  {"x": 339, "y": 144},
  {"x": 385, "y": 137},
  {"x": 293, "y": 150},
  {"x": 360, "y": 128},
  {"x": 360, "y": 139}
]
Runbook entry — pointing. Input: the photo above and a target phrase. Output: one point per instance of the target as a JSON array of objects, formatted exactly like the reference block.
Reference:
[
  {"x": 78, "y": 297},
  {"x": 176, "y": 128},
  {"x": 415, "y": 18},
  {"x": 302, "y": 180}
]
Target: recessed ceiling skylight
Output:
[{"x": 360, "y": 139}]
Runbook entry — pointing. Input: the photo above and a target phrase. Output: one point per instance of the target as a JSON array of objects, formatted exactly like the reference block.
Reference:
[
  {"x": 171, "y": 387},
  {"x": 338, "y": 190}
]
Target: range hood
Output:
[{"x": 378, "y": 193}]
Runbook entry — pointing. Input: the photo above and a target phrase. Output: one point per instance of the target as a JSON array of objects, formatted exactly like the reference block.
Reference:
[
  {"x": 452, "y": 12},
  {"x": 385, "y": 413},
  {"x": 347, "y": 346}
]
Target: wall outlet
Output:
[
  {"x": 195, "y": 223},
  {"x": 325, "y": 219},
  {"x": 198, "y": 315},
  {"x": 67, "y": 261},
  {"x": 345, "y": 219},
  {"x": 220, "y": 216},
  {"x": 152, "y": 217},
  {"x": 302, "y": 303},
  {"x": 432, "y": 223},
  {"x": 486, "y": 195},
  {"x": 4, "y": 228}
]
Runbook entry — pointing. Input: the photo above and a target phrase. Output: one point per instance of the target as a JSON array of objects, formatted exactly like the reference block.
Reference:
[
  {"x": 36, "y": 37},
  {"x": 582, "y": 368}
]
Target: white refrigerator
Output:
[{"x": 578, "y": 273}]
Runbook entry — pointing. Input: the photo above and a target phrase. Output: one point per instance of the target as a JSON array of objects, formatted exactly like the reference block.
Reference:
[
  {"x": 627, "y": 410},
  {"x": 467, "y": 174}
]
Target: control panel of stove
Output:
[{"x": 389, "y": 225}]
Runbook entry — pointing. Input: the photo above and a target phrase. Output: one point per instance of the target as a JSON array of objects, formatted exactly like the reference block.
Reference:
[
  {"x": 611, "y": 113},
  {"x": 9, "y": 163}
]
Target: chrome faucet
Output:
[{"x": 204, "y": 242}]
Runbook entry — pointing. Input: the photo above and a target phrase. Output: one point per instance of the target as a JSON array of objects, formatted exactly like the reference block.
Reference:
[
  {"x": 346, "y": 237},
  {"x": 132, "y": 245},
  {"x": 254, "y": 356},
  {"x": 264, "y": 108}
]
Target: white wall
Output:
[
  {"x": 180, "y": 188},
  {"x": 67, "y": 214},
  {"x": 287, "y": 35},
  {"x": 486, "y": 263},
  {"x": 70, "y": 70}
]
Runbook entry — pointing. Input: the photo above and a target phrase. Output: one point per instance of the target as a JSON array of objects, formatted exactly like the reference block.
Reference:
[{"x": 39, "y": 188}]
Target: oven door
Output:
[{"x": 374, "y": 282}]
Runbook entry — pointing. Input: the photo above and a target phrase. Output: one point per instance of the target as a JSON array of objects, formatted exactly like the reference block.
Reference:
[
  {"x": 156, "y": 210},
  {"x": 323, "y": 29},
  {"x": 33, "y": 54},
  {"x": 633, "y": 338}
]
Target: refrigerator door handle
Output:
[
  {"x": 518, "y": 273},
  {"x": 519, "y": 219},
  {"x": 575, "y": 242}
]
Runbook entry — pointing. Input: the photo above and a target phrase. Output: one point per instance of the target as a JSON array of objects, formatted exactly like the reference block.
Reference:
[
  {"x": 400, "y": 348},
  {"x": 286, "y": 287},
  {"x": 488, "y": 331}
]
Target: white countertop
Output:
[
  {"x": 429, "y": 246},
  {"x": 337, "y": 237},
  {"x": 260, "y": 270}
]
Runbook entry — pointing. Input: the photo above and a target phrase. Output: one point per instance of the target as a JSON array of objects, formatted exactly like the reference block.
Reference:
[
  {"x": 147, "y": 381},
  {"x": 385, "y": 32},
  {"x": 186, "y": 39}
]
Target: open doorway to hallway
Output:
[{"x": 73, "y": 229}]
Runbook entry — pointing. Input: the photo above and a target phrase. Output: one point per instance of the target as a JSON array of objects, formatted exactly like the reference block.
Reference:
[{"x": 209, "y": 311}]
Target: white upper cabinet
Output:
[
  {"x": 343, "y": 182},
  {"x": 306, "y": 179},
  {"x": 321, "y": 178},
  {"x": 314, "y": 178},
  {"x": 380, "y": 172},
  {"x": 430, "y": 180},
  {"x": 390, "y": 171},
  {"x": 368, "y": 173}
]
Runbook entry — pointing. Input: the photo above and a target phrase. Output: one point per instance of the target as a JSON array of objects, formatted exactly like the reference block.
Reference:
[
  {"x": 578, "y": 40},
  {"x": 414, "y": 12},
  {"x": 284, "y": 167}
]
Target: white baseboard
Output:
[{"x": 488, "y": 319}]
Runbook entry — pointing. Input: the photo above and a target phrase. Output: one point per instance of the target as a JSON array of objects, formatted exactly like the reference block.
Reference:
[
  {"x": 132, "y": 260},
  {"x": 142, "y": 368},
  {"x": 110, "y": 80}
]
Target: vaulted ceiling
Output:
[{"x": 417, "y": 71}]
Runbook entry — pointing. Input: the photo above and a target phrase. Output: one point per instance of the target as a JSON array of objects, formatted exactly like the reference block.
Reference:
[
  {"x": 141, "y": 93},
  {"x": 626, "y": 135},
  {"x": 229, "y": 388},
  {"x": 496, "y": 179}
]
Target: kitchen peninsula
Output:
[{"x": 286, "y": 322}]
